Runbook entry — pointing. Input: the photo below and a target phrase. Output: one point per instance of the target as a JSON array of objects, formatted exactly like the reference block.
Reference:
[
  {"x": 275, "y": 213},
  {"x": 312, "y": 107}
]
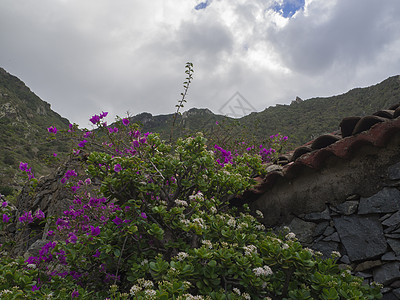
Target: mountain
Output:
[
  {"x": 24, "y": 119},
  {"x": 304, "y": 120}
]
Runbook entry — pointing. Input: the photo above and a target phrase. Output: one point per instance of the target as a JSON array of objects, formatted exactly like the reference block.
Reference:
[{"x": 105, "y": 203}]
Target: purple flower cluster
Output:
[
  {"x": 24, "y": 167},
  {"x": 125, "y": 121},
  {"x": 96, "y": 118},
  {"x": 28, "y": 218},
  {"x": 225, "y": 156},
  {"x": 68, "y": 175},
  {"x": 117, "y": 168},
  {"x": 6, "y": 218},
  {"x": 52, "y": 129},
  {"x": 266, "y": 154},
  {"x": 82, "y": 143},
  {"x": 112, "y": 130}
]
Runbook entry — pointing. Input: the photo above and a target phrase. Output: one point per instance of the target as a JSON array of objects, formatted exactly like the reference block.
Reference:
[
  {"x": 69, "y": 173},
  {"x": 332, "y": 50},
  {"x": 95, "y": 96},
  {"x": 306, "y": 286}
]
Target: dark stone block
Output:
[
  {"x": 395, "y": 245},
  {"x": 329, "y": 230},
  {"x": 325, "y": 248},
  {"x": 320, "y": 228},
  {"x": 347, "y": 208},
  {"x": 393, "y": 220},
  {"x": 389, "y": 296},
  {"x": 361, "y": 236},
  {"x": 385, "y": 201},
  {"x": 394, "y": 172},
  {"x": 389, "y": 256},
  {"x": 318, "y": 216},
  {"x": 387, "y": 273},
  {"x": 334, "y": 237}
]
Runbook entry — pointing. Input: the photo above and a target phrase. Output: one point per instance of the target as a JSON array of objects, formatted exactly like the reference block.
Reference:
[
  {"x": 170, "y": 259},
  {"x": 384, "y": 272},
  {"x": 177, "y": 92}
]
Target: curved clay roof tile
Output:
[
  {"x": 324, "y": 141},
  {"x": 347, "y": 125},
  {"x": 300, "y": 151},
  {"x": 395, "y": 106},
  {"x": 366, "y": 123},
  {"x": 396, "y": 113},
  {"x": 388, "y": 114}
]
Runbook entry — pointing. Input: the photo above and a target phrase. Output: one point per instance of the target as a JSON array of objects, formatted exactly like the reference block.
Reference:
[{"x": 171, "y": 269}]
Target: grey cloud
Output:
[{"x": 355, "y": 33}]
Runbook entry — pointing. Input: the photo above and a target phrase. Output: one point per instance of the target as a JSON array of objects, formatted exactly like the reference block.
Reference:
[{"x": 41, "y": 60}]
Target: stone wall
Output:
[{"x": 365, "y": 230}]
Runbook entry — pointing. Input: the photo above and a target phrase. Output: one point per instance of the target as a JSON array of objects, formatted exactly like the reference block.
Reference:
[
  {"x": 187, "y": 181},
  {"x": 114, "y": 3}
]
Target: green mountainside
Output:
[
  {"x": 24, "y": 119},
  {"x": 301, "y": 120},
  {"x": 304, "y": 120}
]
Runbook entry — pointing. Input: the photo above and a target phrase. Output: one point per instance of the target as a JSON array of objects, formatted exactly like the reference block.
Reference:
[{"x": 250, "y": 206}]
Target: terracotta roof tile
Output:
[{"x": 356, "y": 132}]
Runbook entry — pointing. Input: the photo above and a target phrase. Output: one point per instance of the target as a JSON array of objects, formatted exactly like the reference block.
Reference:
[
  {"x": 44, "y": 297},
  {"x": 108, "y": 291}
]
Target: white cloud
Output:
[{"x": 87, "y": 56}]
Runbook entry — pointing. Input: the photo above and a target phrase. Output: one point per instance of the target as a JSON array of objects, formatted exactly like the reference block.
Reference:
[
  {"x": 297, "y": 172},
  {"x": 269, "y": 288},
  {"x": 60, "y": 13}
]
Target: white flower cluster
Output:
[
  {"x": 143, "y": 284},
  {"x": 231, "y": 222},
  {"x": 246, "y": 296},
  {"x": 181, "y": 202},
  {"x": 198, "y": 197},
  {"x": 31, "y": 266},
  {"x": 185, "y": 222},
  {"x": 264, "y": 271},
  {"x": 5, "y": 292},
  {"x": 290, "y": 236},
  {"x": 260, "y": 227},
  {"x": 134, "y": 289},
  {"x": 190, "y": 297},
  {"x": 213, "y": 210},
  {"x": 242, "y": 225},
  {"x": 237, "y": 291},
  {"x": 259, "y": 214},
  {"x": 309, "y": 250},
  {"x": 207, "y": 243},
  {"x": 181, "y": 256},
  {"x": 250, "y": 249},
  {"x": 285, "y": 246},
  {"x": 335, "y": 254},
  {"x": 200, "y": 222},
  {"x": 150, "y": 293}
]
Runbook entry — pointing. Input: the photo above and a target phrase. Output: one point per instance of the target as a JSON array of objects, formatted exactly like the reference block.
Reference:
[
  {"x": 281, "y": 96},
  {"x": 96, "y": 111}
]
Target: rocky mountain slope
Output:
[{"x": 24, "y": 119}]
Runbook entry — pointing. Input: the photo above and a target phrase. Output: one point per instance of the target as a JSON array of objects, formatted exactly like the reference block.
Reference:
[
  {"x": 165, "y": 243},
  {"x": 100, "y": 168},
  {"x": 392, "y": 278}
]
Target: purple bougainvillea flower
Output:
[
  {"x": 95, "y": 231},
  {"x": 35, "y": 288},
  {"x": 125, "y": 121},
  {"x": 23, "y": 166},
  {"x": 117, "y": 168},
  {"x": 95, "y": 119},
  {"x": 52, "y": 129},
  {"x": 117, "y": 221},
  {"x": 4, "y": 204},
  {"x": 144, "y": 216},
  {"x": 39, "y": 215},
  {"x": 72, "y": 238},
  {"x": 75, "y": 294},
  {"x": 82, "y": 143},
  {"x": 97, "y": 254},
  {"x": 6, "y": 218}
]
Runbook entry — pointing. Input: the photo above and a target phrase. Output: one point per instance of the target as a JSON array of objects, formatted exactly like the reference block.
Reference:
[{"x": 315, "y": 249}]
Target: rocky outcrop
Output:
[
  {"x": 50, "y": 196},
  {"x": 341, "y": 192},
  {"x": 364, "y": 230}
]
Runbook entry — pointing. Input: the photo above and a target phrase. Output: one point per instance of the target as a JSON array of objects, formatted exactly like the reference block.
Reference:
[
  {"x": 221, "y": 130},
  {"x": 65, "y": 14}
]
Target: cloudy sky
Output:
[{"x": 88, "y": 56}]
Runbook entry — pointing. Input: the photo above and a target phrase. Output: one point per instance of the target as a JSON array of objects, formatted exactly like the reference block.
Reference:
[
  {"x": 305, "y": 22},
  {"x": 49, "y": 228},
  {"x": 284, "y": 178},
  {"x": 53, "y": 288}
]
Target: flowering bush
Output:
[{"x": 160, "y": 227}]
